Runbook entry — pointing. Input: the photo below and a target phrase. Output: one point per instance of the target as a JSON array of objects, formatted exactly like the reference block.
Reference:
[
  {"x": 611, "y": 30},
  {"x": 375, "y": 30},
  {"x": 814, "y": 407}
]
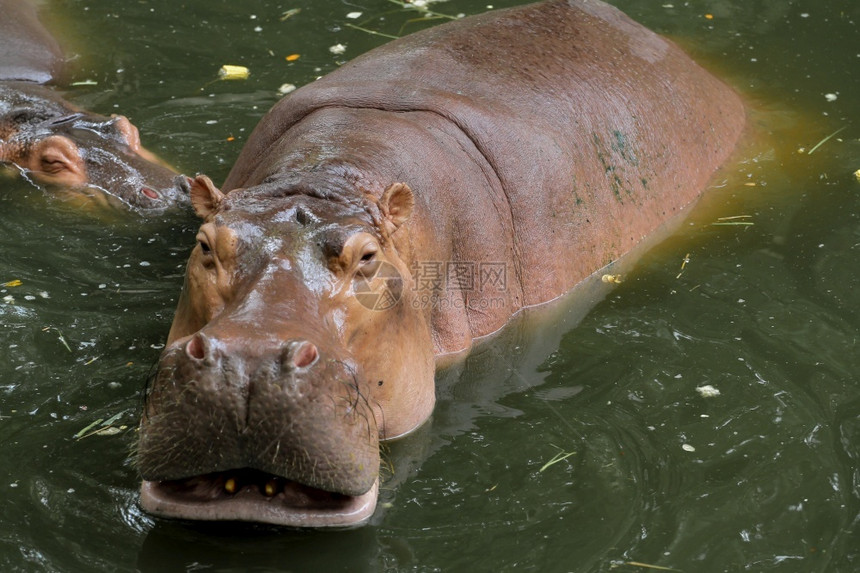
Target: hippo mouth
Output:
[{"x": 256, "y": 496}]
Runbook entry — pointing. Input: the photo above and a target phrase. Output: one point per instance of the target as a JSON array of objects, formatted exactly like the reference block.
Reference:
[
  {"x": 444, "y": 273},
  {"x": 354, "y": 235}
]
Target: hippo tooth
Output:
[
  {"x": 230, "y": 485},
  {"x": 271, "y": 487}
]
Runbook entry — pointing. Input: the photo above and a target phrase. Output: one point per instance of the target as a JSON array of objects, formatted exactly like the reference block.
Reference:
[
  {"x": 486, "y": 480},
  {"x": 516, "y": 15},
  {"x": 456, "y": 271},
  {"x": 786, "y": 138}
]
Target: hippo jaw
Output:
[{"x": 255, "y": 497}]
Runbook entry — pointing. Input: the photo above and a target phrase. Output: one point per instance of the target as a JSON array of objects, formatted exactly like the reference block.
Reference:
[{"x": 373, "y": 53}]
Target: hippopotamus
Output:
[
  {"x": 57, "y": 144},
  {"x": 387, "y": 216}
]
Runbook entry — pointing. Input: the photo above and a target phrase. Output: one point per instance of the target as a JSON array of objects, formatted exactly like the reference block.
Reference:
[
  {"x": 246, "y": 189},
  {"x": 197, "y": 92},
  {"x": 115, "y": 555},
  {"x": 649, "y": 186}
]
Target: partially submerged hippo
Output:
[
  {"x": 391, "y": 213},
  {"x": 59, "y": 145}
]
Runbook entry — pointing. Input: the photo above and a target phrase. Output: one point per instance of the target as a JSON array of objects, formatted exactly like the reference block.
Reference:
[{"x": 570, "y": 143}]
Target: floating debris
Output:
[
  {"x": 707, "y": 391},
  {"x": 286, "y": 88},
  {"x": 102, "y": 427},
  {"x": 560, "y": 456},
  {"x": 354, "y": 15},
  {"x": 337, "y": 49},
  {"x": 684, "y": 264},
  {"x": 290, "y": 13},
  {"x": 826, "y": 139},
  {"x": 371, "y": 32},
  {"x": 59, "y": 336},
  {"x": 228, "y": 72},
  {"x": 737, "y": 220},
  {"x": 831, "y": 97},
  {"x": 688, "y": 448},
  {"x": 649, "y": 566}
]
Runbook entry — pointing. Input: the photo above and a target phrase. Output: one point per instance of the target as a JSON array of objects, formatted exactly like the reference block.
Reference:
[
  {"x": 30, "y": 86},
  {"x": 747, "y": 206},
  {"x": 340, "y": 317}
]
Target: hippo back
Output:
[
  {"x": 27, "y": 51},
  {"x": 591, "y": 132}
]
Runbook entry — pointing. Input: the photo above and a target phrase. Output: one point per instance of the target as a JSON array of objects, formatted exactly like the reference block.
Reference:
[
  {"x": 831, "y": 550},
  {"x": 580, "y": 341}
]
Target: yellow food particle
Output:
[
  {"x": 231, "y": 138},
  {"x": 12, "y": 284},
  {"x": 228, "y": 72},
  {"x": 613, "y": 279},
  {"x": 857, "y": 174},
  {"x": 293, "y": 57},
  {"x": 709, "y": 16}
]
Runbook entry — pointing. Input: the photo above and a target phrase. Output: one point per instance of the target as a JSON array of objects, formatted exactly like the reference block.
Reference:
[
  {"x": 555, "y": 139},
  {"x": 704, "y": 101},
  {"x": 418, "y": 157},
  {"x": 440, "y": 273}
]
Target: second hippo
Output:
[{"x": 56, "y": 144}]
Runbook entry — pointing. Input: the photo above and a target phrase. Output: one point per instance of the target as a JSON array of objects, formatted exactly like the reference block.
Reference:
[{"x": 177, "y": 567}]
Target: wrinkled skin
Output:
[
  {"x": 446, "y": 147},
  {"x": 62, "y": 147}
]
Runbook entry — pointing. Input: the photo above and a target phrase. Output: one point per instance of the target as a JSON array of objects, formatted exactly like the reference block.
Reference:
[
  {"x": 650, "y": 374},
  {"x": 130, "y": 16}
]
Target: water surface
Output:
[{"x": 763, "y": 477}]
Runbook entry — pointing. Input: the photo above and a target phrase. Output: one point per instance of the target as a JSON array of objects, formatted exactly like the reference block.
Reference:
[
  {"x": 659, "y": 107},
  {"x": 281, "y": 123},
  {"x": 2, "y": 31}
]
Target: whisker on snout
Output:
[
  {"x": 150, "y": 379},
  {"x": 355, "y": 406}
]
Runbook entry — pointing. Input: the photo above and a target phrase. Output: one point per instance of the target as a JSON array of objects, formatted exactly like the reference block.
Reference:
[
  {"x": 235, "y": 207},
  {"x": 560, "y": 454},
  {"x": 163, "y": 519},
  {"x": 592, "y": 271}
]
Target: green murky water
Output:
[{"x": 763, "y": 477}]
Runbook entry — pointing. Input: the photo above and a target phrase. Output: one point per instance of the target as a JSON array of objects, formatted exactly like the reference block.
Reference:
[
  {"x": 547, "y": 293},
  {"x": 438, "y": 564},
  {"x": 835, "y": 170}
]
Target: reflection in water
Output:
[{"x": 240, "y": 547}]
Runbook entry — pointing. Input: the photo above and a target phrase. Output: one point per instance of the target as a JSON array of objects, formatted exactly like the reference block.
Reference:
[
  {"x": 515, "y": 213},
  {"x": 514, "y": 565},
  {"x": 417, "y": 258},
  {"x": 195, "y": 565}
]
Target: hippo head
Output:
[
  {"x": 82, "y": 151},
  {"x": 295, "y": 348}
]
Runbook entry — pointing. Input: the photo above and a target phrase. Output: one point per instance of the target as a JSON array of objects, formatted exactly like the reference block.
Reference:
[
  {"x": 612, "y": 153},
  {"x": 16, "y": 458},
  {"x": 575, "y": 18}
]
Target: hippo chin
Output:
[
  {"x": 60, "y": 146},
  {"x": 319, "y": 295}
]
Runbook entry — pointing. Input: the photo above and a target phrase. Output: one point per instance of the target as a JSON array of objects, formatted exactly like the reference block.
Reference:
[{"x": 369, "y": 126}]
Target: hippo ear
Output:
[
  {"x": 205, "y": 197},
  {"x": 397, "y": 203},
  {"x": 131, "y": 135},
  {"x": 128, "y": 131}
]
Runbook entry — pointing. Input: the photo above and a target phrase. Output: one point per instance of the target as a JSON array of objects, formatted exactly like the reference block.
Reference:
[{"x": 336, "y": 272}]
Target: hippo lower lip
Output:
[{"x": 251, "y": 495}]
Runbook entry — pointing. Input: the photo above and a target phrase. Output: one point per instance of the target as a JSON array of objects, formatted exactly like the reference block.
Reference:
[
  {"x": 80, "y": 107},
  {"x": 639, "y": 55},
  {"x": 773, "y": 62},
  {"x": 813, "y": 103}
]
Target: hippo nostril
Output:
[
  {"x": 151, "y": 193},
  {"x": 196, "y": 347},
  {"x": 304, "y": 354}
]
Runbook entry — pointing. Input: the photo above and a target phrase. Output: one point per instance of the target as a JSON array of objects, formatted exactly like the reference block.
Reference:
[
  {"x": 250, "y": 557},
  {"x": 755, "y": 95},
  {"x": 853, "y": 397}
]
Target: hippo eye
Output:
[
  {"x": 368, "y": 256},
  {"x": 203, "y": 241},
  {"x": 52, "y": 166}
]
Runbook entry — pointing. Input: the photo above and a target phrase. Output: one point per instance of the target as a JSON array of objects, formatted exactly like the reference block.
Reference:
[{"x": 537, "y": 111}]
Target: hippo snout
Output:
[
  {"x": 289, "y": 408},
  {"x": 295, "y": 354}
]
